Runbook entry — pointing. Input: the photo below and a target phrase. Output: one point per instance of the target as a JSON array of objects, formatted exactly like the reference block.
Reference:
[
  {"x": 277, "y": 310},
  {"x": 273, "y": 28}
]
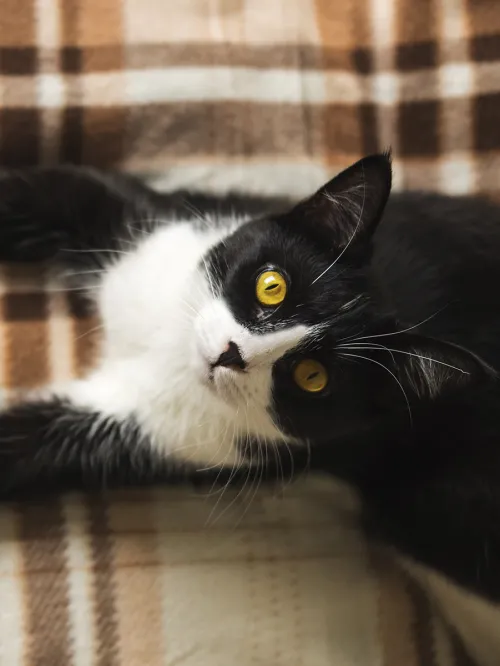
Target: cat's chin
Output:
[{"x": 222, "y": 383}]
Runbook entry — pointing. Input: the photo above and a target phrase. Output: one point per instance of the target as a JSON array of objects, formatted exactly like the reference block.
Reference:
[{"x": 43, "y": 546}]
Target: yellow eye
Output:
[
  {"x": 310, "y": 376},
  {"x": 270, "y": 288}
]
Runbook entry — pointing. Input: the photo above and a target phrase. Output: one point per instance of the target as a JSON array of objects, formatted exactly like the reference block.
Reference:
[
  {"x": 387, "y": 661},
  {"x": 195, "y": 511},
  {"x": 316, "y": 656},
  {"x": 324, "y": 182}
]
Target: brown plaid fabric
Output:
[
  {"x": 269, "y": 96},
  {"x": 139, "y": 578}
]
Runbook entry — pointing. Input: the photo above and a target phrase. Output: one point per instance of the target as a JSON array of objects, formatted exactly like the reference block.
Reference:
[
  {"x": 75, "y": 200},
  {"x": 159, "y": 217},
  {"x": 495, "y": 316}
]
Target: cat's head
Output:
[{"x": 294, "y": 335}]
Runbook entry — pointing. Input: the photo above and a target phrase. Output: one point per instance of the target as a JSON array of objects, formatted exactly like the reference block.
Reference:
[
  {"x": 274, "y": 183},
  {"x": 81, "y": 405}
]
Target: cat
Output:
[{"x": 354, "y": 331}]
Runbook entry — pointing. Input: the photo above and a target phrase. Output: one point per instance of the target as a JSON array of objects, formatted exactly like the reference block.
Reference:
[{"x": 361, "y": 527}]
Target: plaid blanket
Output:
[
  {"x": 255, "y": 95},
  {"x": 140, "y": 578}
]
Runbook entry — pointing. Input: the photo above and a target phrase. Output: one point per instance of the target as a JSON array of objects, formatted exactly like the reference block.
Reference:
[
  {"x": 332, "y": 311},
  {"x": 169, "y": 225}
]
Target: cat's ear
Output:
[
  {"x": 348, "y": 207},
  {"x": 431, "y": 369}
]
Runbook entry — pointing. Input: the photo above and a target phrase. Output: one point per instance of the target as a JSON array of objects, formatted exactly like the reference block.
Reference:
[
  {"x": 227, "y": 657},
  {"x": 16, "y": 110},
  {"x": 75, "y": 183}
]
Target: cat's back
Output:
[
  {"x": 439, "y": 256},
  {"x": 442, "y": 223}
]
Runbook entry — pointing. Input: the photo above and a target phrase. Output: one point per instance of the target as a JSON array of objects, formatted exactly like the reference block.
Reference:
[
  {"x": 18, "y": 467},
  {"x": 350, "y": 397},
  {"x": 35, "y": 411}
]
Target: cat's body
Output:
[{"x": 370, "y": 350}]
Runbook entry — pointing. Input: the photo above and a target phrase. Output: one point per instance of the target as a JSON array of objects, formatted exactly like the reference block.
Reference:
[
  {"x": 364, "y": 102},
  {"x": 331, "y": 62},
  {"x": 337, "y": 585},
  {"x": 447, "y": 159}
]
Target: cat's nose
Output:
[{"x": 231, "y": 358}]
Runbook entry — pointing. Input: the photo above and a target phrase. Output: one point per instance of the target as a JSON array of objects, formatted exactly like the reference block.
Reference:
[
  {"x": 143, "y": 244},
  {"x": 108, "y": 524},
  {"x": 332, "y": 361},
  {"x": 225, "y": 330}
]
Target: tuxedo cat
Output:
[{"x": 354, "y": 331}]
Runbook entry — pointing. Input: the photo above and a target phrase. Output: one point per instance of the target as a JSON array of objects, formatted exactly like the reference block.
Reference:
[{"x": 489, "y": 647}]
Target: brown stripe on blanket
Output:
[
  {"x": 18, "y": 61},
  {"x": 486, "y": 125},
  {"x": 343, "y": 25},
  {"x": 106, "y": 58},
  {"x": 416, "y": 23},
  {"x": 138, "y": 575},
  {"x": 72, "y": 116},
  {"x": 45, "y": 580},
  {"x": 17, "y": 23},
  {"x": 484, "y": 17},
  {"x": 103, "y": 58},
  {"x": 19, "y": 127},
  {"x": 416, "y": 37},
  {"x": 86, "y": 329},
  {"x": 485, "y": 48},
  {"x": 104, "y": 128},
  {"x": 105, "y": 618},
  {"x": 370, "y": 139},
  {"x": 395, "y": 613},
  {"x": 94, "y": 135},
  {"x": 227, "y": 54},
  {"x": 72, "y": 135},
  {"x": 418, "y": 129},
  {"x": 416, "y": 56},
  {"x": 344, "y": 132},
  {"x": 209, "y": 129}
]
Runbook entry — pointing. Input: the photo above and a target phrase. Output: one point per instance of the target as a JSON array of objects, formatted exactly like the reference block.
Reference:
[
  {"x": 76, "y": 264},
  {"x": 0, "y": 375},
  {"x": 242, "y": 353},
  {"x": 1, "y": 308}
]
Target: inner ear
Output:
[
  {"x": 431, "y": 368},
  {"x": 349, "y": 206}
]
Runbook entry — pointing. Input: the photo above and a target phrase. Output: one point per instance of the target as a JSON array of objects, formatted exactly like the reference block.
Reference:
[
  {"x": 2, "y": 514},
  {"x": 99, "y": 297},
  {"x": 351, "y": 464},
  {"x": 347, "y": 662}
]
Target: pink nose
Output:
[{"x": 231, "y": 358}]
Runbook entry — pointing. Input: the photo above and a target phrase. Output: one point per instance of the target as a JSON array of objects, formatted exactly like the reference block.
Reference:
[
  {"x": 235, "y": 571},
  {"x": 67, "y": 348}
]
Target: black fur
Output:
[{"x": 420, "y": 441}]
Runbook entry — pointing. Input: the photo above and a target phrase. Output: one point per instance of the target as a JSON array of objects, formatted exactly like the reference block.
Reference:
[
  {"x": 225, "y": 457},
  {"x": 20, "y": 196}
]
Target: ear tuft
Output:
[
  {"x": 349, "y": 207},
  {"x": 434, "y": 370}
]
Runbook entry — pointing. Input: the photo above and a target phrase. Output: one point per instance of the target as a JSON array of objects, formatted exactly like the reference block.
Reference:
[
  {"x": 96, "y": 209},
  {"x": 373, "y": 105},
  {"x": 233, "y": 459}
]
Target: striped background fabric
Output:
[
  {"x": 168, "y": 577},
  {"x": 265, "y": 96},
  {"x": 255, "y": 94}
]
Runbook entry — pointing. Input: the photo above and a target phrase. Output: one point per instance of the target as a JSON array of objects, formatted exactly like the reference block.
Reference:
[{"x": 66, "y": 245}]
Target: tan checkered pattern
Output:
[
  {"x": 270, "y": 96},
  {"x": 141, "y": 579}
]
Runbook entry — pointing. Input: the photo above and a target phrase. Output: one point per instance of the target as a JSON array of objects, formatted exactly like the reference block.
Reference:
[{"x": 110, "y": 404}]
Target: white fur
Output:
[{"x": 163, "y": 327}]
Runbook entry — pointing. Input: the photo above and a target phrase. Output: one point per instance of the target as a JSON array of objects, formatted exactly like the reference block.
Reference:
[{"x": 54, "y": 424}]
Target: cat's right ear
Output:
[{"x": 348, "y": 208}]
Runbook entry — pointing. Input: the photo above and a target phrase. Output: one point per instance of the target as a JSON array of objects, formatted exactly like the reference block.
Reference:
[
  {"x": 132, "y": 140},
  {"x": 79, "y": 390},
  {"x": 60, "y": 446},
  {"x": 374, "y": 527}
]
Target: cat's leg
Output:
[
  {"x": 79, "y": 218},
  {"x": 51, "y": 444}
]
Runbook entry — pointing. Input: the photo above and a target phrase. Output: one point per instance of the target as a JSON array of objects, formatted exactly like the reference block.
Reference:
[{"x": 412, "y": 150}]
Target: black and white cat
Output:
[
  {"x": 241, "y": 333},
  {"x": 217, "y": 327}
]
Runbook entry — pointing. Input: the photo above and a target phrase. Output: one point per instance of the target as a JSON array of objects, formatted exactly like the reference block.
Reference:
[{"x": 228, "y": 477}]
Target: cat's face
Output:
[
  {"x": 283, "y": 293},
  {"x": 288, "y": 296},
  {"x": 266, "y": 337}
]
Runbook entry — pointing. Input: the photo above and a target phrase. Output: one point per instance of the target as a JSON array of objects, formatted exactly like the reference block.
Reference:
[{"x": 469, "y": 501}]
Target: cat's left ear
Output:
[{"x": 349, "y": 207}]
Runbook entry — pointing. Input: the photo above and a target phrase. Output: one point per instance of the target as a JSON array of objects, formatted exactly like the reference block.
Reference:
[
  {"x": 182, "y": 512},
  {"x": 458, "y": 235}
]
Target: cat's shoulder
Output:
[
  {"x": 445, "y": 226},
  {"x": 441, "y": 211}
]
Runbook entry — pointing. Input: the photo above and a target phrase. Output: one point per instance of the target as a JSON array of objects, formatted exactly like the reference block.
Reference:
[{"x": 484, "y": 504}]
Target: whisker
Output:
[
  {"x": 372, "y": 346},
  {"x": 221, "y": 445},
  {"x": 77, "y": 273},
  {"x": 95, "y": 251},
  {"x": 196, "y": 211},
  {"x": 58, "y": 290},
  {"x": 92, "y": 330},
  {"x": 234, "y": 469},
  {"x": 240, "y": 491},
  {"x": 367, "y": 358},
  {"x": 400, "y": 351},
  {"x": 257, "y": 482},
  {"x": 188, "y": 305},
  {"x": 211, "y": 285},
  {"x": 384, "y": 335}
]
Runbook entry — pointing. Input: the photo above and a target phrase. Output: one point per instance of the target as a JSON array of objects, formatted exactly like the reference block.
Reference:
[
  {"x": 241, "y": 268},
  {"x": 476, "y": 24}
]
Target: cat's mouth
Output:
[{"x": 223, "y": 382}]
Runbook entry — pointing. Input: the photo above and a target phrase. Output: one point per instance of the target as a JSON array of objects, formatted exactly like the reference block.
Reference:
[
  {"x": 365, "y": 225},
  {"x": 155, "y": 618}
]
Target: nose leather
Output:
[{"x": 231, "y": 358}]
